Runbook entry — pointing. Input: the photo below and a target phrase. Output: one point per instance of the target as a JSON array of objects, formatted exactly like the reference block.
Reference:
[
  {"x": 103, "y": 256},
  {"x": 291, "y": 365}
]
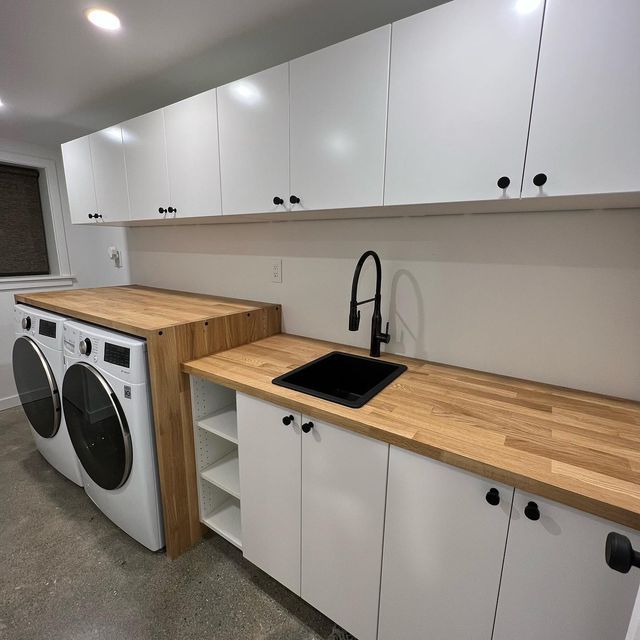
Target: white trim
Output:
[
  {"x": 9, "y": 402},
  {"x": 51, "y": 203},
  {"x": 35, "y": 282}
]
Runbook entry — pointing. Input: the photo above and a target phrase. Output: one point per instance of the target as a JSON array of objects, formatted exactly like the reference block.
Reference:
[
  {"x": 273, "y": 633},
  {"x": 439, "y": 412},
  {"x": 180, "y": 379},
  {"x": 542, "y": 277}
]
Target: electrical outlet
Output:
[{"x": 276, "y": 270}]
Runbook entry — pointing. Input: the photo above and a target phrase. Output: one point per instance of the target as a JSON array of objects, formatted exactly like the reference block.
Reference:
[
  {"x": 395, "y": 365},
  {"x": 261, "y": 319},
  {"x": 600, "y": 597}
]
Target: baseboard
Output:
[{"x": 11, "y": 401}]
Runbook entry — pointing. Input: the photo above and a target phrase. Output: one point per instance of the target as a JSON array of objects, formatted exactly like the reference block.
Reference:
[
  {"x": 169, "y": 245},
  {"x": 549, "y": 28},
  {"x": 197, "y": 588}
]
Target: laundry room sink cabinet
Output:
[{"x": 313, "y": 499}]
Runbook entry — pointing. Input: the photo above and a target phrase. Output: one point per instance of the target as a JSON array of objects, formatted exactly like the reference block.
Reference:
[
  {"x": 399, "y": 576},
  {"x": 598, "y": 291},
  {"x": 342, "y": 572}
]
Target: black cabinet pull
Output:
[
  {"x": 539, "y": 179},
  {"x": 493, "y": 497},
  {"x": 294, "y": 199},
  {"x": 532, "y": 512},
  {"x": 619, "y": 553},
  {"x": 161, "y": 211},
  {"x": 287, "y": 420},
  {"x": 277, "y": 200},
  {"x": 95, "y": 216},
  {"x": 504, "y": 182},
  {"x": 172, "y": 210},
  {"x": 307, "y": 426}
]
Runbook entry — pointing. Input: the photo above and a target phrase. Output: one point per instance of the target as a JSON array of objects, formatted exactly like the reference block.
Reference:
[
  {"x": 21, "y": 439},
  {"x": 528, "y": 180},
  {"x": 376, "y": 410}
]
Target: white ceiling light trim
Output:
[{"x": 103, "y": 19}]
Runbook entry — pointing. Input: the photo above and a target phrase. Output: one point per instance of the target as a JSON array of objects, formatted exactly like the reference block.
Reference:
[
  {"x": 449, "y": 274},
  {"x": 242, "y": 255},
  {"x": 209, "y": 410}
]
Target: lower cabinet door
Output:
[
  {"x": 269, "y": 448},
  {"x": 445, "y": 535},
  {"x": 343, "y": 497},
  {"x": 556, "y": 584}
]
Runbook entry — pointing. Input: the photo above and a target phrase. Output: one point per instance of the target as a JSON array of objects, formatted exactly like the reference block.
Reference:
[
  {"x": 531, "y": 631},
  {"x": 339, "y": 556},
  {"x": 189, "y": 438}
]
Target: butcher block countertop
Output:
[
  {"x": 578, "y": 448},
  {"x": 136, "y": 309}
]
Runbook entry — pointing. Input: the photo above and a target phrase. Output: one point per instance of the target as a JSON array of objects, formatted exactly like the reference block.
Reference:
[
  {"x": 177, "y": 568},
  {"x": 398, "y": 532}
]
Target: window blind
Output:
[{"x": 23, "y": 245}]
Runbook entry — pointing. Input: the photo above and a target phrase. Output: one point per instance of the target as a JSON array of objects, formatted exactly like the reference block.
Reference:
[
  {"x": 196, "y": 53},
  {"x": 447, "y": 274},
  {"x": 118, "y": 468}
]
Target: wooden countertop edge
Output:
[
  {"x": 123, "y": 327},
  {"x": 529, "y": 483}
]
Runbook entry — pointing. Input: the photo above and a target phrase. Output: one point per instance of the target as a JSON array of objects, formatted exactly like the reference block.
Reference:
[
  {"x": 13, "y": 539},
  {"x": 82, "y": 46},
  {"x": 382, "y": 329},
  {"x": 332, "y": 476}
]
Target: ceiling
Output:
[{"x": 61, "y": 78}]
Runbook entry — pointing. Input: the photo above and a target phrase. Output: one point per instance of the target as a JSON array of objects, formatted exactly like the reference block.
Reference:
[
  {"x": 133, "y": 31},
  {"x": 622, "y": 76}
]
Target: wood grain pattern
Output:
[
  {"x": 578, "y": 448},
  {"x": 136, "y": 309},
  {"x": 178, "y": 326}
]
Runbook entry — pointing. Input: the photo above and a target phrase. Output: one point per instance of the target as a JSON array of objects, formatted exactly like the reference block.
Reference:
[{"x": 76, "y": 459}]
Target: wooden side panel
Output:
[{"x": 168, "y": 349}]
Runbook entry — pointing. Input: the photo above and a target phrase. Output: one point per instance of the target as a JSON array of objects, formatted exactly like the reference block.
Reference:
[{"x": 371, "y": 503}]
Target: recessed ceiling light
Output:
[
  {"x": 103, "y": 19},
  {"x": 1, "y": 103}
]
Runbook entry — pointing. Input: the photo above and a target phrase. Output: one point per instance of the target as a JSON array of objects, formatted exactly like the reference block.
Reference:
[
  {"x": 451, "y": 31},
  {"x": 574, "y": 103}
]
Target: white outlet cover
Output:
[{"x": 276, "y": 270}]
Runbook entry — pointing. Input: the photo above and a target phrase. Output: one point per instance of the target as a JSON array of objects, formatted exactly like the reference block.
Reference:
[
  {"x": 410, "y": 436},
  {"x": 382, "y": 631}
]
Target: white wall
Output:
[
  {"x": 553, "y": 297},
  {"x": 90, "y": 265}
]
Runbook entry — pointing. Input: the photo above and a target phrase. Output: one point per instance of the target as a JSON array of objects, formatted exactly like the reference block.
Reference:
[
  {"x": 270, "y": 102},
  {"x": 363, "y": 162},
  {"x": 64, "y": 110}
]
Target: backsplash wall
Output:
[{"x": 553, "y": 297}]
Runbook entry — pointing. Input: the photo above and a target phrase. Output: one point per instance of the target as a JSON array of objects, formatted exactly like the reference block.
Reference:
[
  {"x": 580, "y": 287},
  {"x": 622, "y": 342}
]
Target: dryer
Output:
[
  {"x": 107, "y": 405},
  {"x": 38, "y": 368}
]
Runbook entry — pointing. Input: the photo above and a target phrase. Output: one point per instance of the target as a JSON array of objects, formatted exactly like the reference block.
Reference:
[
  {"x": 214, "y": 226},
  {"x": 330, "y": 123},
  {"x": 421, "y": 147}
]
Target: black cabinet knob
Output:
[
  {"x": 539, "y": 179},
  {"x": 161, "y": 211},
  {"x": 294, "y": 199},
  {"x": 287, "y": 420},
  {"x": 277, "y": 200},
  {"x": 307, "y": 426},
  {"x": 493, "y": 496},
  {"x": 504, "y": 182},
  {"x": 90, "y": 216},
  {"x": 619, "y": 553},
  {"x": 172, "y": 210},
  {"x": 532, "y": 512}
]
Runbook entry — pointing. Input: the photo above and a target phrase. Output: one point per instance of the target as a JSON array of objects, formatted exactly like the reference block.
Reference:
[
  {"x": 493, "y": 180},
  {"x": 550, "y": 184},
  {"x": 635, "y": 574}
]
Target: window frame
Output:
[{"x": 52, "y": 214}]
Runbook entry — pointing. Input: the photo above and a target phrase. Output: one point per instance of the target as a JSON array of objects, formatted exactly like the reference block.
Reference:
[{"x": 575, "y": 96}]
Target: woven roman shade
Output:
[{"x": 23, "y": 246}]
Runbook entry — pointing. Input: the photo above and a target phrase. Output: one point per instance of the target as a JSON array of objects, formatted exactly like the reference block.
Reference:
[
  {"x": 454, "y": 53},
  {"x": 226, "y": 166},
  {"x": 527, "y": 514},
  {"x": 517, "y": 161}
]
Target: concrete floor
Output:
[{"x": 68, "y": 573}]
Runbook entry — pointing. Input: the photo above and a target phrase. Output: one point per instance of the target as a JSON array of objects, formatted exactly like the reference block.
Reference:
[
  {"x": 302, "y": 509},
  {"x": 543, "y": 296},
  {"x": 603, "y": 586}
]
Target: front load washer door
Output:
[
  {"x": 97, "y": 426},
  {"x": 37, "y": 387}
]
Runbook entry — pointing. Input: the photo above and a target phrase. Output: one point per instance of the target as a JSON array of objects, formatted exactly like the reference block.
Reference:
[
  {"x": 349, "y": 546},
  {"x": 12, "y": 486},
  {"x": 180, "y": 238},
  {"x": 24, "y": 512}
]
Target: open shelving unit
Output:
[{"x": 215, "y": 427}]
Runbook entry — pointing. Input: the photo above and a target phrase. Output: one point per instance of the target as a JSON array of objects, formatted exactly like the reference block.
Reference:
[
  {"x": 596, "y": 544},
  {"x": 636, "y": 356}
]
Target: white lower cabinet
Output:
[
  {"x": 269, "y": 444},
  {"x": 313, "y": 509},
  {"x": 443, "y": 550},
  {"x": 344, "y": 478},
  {"x": 556, "y": 584}
]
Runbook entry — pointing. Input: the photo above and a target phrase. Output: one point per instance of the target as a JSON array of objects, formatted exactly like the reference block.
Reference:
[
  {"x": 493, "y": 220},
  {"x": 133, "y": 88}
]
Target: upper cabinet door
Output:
[
  {"x": 146, "y": 161},
  {"x": 254, "y": 142},
  {"x": 585, "y": 136},
  {"x": 78, "y": 173},
  {"x": 461, "y": 86},
  {"x": 191, "y": 128},
  {"x": 338, "y": 118},
  {"x": 344, "y": 478},
  {"x": 555, "y": 582},
  {"x": 107, "y": 153}
]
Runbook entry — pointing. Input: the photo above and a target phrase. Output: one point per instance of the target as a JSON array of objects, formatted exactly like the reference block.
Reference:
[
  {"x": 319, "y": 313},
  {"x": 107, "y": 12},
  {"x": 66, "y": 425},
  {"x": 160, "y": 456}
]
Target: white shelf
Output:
[
  {"x": 223, "y": 423},
  {"x": 225, "y": 473},
  {"x": 225, "y": 521}
]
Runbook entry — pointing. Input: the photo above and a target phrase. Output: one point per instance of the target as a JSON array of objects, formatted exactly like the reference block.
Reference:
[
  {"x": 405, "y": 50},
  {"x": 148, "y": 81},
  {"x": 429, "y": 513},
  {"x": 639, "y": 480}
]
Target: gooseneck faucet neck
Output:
[{"x": 377, "y": 336}]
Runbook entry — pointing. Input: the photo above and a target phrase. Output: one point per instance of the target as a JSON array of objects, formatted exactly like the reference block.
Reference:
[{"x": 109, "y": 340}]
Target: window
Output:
[{"x": 23, "y": 245}]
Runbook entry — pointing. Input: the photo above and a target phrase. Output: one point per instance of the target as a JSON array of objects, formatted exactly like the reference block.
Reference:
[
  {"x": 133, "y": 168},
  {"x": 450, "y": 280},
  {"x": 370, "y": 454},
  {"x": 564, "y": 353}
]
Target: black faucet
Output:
[{"x": 376, "y": 320}]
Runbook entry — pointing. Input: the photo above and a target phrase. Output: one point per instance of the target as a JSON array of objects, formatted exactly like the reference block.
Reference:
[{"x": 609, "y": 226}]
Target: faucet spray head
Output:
[{"x": 354, "y": 317}]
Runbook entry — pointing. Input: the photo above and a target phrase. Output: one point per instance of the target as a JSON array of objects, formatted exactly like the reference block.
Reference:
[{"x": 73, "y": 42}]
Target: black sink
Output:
[{"x": 342, "y": 378}]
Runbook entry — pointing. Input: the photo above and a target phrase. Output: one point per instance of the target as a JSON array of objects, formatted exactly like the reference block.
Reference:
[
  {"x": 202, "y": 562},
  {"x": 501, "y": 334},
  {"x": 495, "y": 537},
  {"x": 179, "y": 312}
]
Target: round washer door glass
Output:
[
  {"x": 37, "y": 387},
  {"x": 97, "y": 426}
]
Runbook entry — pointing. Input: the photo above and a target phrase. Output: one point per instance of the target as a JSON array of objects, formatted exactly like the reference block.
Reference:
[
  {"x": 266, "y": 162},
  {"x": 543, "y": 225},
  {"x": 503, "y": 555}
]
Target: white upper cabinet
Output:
[
  {"x": 253, "y": 118},
  {"x": 146, "y": 162},
  {"x": 78, "y": 173},
  {"x": 555, "y": 582},
  {"x": 445, "y": 533},
  {"x": 338, "y": 117},
  {"x": 585, "y": 136},
  {"x": 191, "y": 128},
  {"x": 109, "y": 173},
  {"x": 461, "y": 85}
]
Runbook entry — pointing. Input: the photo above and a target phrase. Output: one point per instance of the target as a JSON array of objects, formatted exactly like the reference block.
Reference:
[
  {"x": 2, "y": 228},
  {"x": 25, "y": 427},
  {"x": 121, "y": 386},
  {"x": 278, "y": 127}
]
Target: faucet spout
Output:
[{"x": 377, "y": 335}]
